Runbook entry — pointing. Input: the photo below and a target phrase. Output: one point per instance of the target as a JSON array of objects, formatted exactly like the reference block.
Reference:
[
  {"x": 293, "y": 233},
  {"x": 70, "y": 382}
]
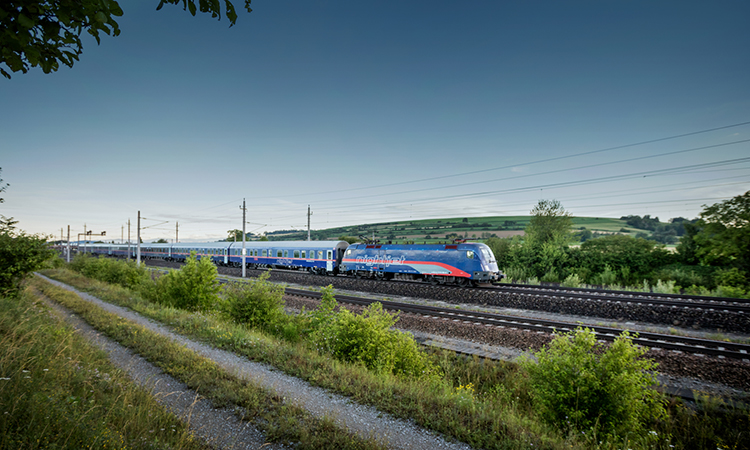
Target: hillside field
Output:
[{"x": 436, "y": 230}]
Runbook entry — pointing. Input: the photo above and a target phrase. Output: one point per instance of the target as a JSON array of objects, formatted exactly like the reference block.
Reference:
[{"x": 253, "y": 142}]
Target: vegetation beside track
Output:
[
  {"x": 281, "y": 421},
  {"x": 59, "y": 391},
  {"x": 489, "y": 405}
]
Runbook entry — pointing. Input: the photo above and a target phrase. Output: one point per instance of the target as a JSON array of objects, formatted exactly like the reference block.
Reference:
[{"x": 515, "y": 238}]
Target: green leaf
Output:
[
  {"x": 25, "y": 21},
  {"x": 100, "y": 17},
  {"x": 192, "y": 8}
]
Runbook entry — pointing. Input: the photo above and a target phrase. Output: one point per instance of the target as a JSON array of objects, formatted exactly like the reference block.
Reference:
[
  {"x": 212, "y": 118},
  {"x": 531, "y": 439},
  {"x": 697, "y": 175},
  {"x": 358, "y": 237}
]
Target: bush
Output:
[
  {"x": 259, "y": 304},
  {"x": 577, "y": 384},
  {"x": 20, "y": 254},
  {"x": 664, "y": 287},
  {"x": 124, "y": 273},
  {"x": 731, "y": 292},
  {"x": 366, "y": 338},
  {"x": 194, "y": 287},
  {"x": 606, "y": 278},
  {"x": 730, "y": 277},
  {"x": 573, "y": 281}
]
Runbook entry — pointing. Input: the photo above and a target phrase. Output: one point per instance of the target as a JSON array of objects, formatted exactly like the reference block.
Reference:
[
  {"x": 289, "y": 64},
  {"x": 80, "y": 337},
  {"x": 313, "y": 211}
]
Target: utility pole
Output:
[
  {"x": 85, "y": 238},
  {"x": 176, "y": 232},
  {"x": 122, "y": 234},
  {"x": 244, "y": 211},
  {"x": 128, "y": 239},
  {"x": 68, "y": 243},
  {"x": 138, "y": 243},
  {"x": 309, "y": 213}
]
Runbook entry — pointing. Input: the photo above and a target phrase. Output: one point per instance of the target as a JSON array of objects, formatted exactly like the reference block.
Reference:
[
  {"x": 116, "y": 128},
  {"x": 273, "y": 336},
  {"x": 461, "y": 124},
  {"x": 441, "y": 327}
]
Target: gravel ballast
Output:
[{"x": 364, "y": 421}]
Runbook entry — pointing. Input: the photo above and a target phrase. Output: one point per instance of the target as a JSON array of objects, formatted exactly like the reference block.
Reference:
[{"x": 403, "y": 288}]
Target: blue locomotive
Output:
[{"x": 462, "y": 264}]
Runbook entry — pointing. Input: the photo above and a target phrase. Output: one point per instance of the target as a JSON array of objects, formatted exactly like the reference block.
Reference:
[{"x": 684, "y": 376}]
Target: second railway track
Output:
[{"x": 685, "y": 344}]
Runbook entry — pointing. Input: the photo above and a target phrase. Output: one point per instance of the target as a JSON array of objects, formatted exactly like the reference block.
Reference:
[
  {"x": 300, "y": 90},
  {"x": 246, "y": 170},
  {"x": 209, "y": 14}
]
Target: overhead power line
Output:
[
  {"x": 549, "y": 172},
  {"x": 557, "y": 158}
]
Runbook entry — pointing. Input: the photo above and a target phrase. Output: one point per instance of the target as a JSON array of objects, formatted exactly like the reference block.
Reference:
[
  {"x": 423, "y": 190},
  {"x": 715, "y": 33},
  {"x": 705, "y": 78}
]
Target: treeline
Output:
[
  {"x": 712, "y": 257},
  {"x": 665, "y": 233}
]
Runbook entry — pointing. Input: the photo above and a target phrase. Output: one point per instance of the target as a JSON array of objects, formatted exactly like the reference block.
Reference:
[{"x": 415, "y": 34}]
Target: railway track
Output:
[
  {"x": 669, "y": 342},
  {"x": 741, "y": 305},
  {"x": 738, "y": 305}
]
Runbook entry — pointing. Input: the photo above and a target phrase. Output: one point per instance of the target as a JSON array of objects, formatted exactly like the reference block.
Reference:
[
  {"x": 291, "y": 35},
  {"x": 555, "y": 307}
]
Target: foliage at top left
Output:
[{"x": 46, "y": 33}]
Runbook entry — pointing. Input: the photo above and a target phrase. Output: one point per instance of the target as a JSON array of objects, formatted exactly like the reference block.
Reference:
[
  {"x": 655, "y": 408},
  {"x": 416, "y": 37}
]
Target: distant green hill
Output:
[{"x": 436, "y": 230}]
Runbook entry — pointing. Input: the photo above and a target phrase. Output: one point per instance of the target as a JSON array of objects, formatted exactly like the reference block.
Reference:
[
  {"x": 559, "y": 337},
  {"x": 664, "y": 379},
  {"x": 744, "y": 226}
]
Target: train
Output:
[{"x": 460, "y": 263}]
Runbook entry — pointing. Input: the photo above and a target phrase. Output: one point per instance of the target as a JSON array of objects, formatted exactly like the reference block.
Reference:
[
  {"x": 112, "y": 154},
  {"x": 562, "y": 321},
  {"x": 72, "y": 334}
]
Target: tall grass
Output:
[
  {"x": 57, "y": 391},
  {"x": 280, "y": 420}
]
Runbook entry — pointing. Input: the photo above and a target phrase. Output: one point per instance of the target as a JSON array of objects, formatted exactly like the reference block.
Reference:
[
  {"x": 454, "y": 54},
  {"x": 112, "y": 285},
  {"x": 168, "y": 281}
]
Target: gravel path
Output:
[{"x": 364, "y": 421}]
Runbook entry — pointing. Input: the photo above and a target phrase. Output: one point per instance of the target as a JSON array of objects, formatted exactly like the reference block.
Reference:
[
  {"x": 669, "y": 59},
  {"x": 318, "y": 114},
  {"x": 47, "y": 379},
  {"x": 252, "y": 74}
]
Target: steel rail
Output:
[
  {"x": 631, "y": 298},
  {"x": 607, "y": 292}
]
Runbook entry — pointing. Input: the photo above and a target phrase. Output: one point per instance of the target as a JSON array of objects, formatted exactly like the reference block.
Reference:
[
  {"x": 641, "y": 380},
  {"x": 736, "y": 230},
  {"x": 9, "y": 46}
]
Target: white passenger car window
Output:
[{"x": 470, "y": 254}]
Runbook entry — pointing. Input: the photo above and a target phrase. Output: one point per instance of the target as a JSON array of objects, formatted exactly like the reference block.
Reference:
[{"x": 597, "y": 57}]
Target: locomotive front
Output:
[{"x": 487, "y": 270}]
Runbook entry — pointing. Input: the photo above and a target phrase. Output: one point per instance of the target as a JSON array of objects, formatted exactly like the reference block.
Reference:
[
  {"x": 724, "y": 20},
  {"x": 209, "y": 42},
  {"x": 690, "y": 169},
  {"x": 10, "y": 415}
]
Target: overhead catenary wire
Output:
[{"x": 540, "y": 161}]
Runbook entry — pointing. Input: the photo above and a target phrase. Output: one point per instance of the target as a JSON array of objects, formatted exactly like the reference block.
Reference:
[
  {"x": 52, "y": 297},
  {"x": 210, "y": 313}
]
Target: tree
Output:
[
  {"x": 161, "y": 241},
  {"x": 349, "y": 239},
  {"x": 234, "y": 235},
  {"x": 46, "y": 33},
  {"x": 550, "y": 223},
  {"x": 724, "y": 235}
]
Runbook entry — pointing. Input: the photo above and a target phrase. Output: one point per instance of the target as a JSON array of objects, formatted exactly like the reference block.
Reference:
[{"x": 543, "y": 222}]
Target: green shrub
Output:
[
  {"x": 551, "y": 276},
  {"x": 517, "y": 274},
  {"x": 259, "y": 304},
  {"x": 123, "y": 273},
  {"x": 606, "y": 278},
  {"x": 579, "y": 385},
  {"x": 731, "y": 292},
  {"x": 194, "y": 287},
  {"x": 20, "y": 254},
  {"x": 366, "y": 338},
  {"x": 682, "y": 276},
  {"x": 730, "y": 277},
  {"x": 573, "y": 281},
  {"x": 697, "y": 290},
  {"x": 664, "y": 287}
]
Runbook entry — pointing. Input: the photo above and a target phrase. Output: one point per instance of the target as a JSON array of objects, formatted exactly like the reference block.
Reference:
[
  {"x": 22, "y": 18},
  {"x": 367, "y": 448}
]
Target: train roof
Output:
[
  {"x": 266, "y": 244},
  {"x": 462, "y": 245}
]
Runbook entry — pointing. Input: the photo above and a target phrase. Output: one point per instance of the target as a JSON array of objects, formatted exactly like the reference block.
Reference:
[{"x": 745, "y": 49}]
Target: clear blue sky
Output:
[{"x": 380, "y": 111}]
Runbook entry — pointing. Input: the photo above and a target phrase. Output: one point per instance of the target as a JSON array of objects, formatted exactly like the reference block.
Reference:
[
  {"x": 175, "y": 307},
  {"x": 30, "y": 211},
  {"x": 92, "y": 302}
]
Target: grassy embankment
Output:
[
  {"x": 437, "y": 229},
  {"x": 280, "y": 421},
  {"x": 485, "y": 404},
  {"x": 58, "y": 391},
  {"x": 457, "y": 412}
]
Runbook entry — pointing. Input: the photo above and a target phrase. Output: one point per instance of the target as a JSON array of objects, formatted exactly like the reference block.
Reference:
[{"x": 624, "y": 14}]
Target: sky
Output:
[{"x": 381, "y": 111}]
